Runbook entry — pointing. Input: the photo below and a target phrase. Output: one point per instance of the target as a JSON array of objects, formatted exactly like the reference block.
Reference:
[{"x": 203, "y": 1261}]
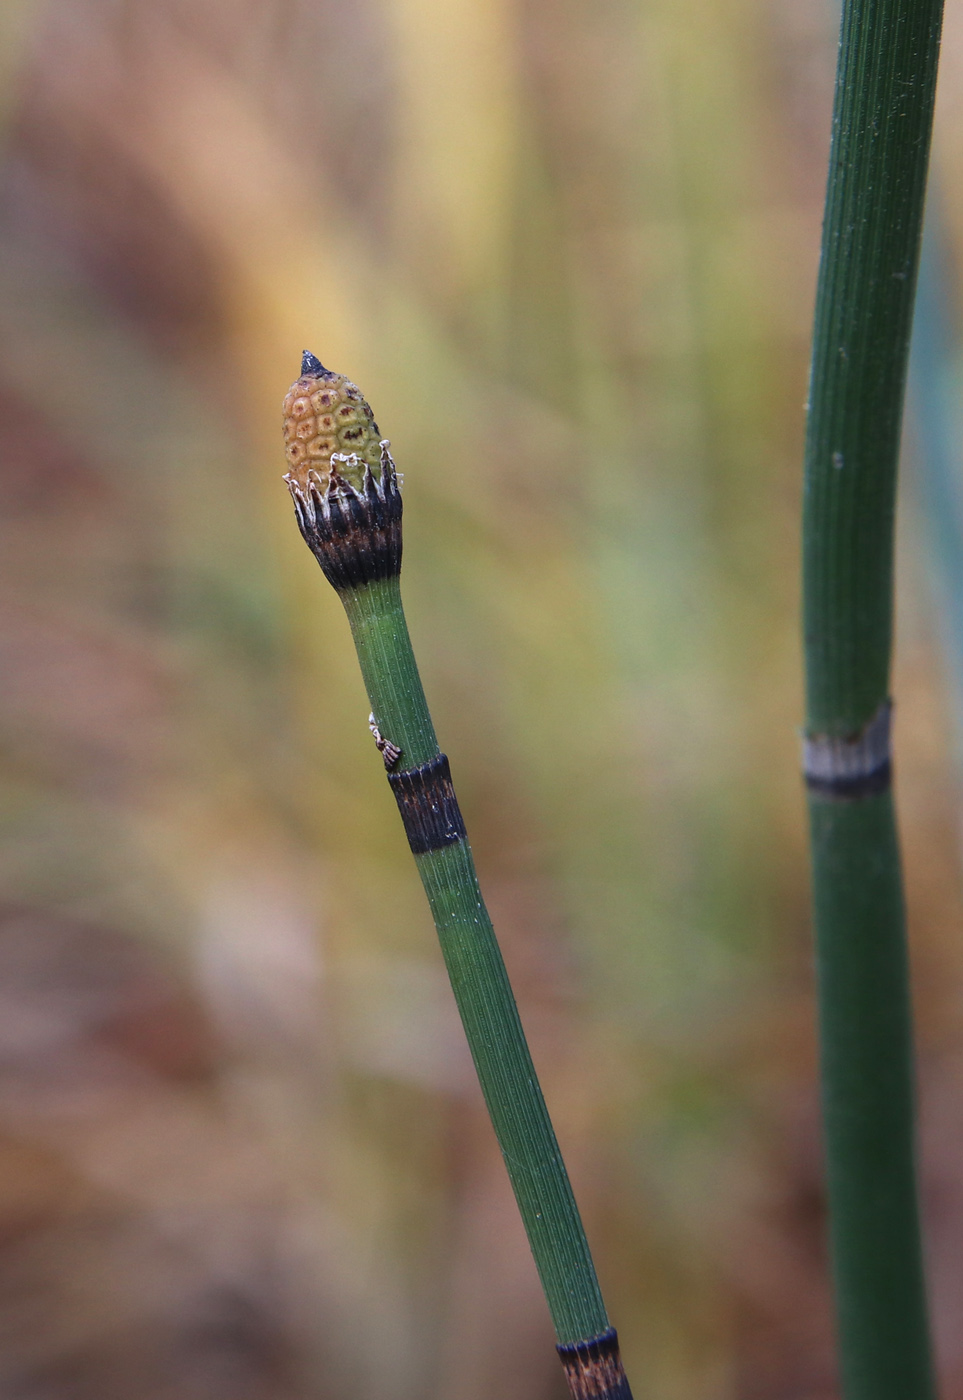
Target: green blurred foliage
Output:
[{"x": 568, "y": 252}]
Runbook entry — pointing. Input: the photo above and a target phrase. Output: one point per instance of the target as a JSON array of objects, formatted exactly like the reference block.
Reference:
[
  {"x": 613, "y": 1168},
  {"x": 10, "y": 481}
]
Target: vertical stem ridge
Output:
[
  {"x": 882, "y": 120},
  {"x": 512, "y": 1093},
  {"x": 866, "y": 1042},
  {"x": 476, "y": 969}
]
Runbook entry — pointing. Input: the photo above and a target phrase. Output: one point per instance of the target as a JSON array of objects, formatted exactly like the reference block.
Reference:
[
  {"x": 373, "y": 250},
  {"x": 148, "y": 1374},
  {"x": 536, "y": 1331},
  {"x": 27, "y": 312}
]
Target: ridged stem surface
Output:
[
  {"x": 867, "y": 1076},
  {"x": 882, "y": 118},
  {"x": 881, "y": 130},
  {"x": 481, "y": 986},
  {"x": 389, "y": 669}
]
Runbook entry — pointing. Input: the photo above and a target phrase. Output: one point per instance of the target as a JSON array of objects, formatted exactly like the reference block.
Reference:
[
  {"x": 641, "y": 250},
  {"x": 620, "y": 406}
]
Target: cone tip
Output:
[{"x": 310, "y": 364}]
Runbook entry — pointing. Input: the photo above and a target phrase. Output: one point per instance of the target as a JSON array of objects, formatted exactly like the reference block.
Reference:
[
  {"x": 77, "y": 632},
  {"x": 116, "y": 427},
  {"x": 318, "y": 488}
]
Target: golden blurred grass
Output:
[{"x": 568, "y": 253}]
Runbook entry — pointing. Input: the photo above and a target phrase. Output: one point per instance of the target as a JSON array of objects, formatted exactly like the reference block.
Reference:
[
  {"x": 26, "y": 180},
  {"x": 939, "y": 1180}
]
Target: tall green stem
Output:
[
  {"x": 351, "y": 519},
  {"x": 480, "y": 983},
  {"x": 882, "y": 119}
]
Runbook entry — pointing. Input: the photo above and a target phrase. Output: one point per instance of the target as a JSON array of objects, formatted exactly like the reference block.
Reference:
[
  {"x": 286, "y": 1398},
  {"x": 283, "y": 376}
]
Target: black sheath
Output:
[
  {"x": 594, "y": 1369},
  {"x": 428, "y": 806}
]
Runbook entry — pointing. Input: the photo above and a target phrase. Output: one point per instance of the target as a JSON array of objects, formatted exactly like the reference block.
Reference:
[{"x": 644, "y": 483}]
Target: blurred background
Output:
[{"x": 568, "y": 250}]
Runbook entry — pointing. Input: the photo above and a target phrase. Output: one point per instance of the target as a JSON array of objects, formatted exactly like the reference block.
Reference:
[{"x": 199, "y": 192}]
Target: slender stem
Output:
[
  {"x": 868, "y": 1101},
  {"x": 480, "y": 983},
  {"x": 881, "y": 130},
  {"x": 348, "y": 507},
  {"x": 389, "y": 668},
  {"x": 885, "y": 86}
]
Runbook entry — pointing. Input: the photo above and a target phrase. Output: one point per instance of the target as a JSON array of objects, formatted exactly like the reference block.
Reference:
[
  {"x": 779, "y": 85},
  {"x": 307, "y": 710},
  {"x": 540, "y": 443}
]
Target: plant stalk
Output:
[
  {"x": 882, "y": 119},
  {"x": 477, "y": 971},
  {"x": 351, "y": 519}
]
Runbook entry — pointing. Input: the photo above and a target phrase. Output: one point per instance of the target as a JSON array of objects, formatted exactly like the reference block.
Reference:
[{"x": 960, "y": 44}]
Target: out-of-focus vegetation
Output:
[{"x": 568, "y": 251}]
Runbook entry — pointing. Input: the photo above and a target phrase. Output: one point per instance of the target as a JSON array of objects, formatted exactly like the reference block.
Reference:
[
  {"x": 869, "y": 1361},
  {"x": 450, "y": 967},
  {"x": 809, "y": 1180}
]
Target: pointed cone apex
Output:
[{"x": 310, "y": 364}]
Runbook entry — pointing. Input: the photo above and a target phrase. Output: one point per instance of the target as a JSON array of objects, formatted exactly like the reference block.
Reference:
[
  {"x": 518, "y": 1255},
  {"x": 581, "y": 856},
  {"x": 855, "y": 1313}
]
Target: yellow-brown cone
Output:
[
  {"x": 342, "y": 479},
  {"x": 324, "y": 414}
]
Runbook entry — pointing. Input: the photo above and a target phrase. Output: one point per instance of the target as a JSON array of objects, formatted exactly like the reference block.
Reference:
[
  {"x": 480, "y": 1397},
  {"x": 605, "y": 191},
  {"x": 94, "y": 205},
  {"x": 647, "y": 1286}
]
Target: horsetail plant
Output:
[
  {"x": 882, "y": 120},
  {"x": 348, "y": 505}
]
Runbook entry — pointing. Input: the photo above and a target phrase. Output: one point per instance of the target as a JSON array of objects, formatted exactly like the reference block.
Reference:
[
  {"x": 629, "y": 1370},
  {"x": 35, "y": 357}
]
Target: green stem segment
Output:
[
  {"x": 389, "y": 669},
  {"x": 480, "y": 983},
  {"x": 868, "y": 1101},
  {"x": 881, "y": 132}
]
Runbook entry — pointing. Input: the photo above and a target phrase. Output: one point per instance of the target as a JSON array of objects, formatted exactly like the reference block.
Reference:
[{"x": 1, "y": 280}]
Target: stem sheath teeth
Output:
[
  {"x": 594, "y": 1369},
  {"x": 352, "y": 524}
]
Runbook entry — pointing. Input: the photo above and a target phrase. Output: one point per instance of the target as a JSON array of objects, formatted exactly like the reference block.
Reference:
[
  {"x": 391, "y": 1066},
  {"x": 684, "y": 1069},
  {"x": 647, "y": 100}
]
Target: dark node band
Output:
[
  {"x": 851, "y": 789},
  {"x": 428, "y": 806},
  {"x": 847, "y": 768},
  {"x": 594, "y": 1369},
  {"x": 354, "y": 535}
]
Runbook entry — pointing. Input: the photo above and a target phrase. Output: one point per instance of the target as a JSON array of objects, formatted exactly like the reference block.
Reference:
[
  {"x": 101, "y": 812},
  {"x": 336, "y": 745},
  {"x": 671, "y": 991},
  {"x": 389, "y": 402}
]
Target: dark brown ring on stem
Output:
[
  {"x": 355, "y": 534},
  {"x": 845, "y": 769},
  {"x": 594, "y": 1369},
  {"x": 428, "y": 806}
]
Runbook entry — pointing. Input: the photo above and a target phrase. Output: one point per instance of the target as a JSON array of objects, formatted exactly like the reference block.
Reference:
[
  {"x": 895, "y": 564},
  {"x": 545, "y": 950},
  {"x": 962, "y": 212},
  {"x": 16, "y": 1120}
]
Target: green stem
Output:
[
  {"x": 480, "y": 983},
  {"x": 881, "y": 131},
  {"x": 868, "y": 1100},
  {"x": 885, "y": 87},
  {"x": 389, "y": 669}
]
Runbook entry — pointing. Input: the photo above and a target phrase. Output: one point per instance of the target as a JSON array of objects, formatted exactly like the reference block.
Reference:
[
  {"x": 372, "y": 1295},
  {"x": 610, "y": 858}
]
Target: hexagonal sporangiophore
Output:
[{"x": 324, "y": 414}]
